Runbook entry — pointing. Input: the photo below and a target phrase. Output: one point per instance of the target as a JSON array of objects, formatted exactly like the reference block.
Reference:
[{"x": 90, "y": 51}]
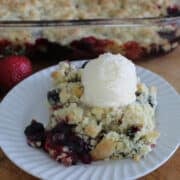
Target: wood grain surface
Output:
[{"x": 167, "y": 66}]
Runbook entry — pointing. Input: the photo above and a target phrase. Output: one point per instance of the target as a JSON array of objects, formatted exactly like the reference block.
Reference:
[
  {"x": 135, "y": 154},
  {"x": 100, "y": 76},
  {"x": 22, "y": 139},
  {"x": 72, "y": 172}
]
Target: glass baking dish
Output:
[{"x": 135, "y": 38}]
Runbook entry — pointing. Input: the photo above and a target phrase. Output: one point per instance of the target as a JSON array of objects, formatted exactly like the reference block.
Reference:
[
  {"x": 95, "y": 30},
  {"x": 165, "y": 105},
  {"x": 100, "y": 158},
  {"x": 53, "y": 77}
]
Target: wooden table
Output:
[{"x": 167, "y": 66}]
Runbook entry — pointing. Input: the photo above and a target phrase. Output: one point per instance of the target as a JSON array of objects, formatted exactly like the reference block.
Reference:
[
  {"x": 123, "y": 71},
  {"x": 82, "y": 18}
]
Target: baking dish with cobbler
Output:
[{"x": 84, "y": 29}]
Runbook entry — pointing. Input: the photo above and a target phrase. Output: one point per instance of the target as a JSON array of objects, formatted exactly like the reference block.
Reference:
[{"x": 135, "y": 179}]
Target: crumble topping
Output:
[
  {"x": 78, "y": 132},
  {"x": 125, "y": 132},
  {"x": 81, "y": 9}
]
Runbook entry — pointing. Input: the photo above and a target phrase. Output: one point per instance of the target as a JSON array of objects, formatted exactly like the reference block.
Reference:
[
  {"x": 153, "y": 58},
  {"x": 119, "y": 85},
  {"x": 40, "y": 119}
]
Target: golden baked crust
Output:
[{"x": 104, "y": 149}]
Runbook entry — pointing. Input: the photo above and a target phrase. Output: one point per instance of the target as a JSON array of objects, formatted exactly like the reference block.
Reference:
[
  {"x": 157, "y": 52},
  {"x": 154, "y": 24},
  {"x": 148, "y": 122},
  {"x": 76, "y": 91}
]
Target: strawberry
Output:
[
  {"x": 133, "y": 50},
  {"x": 13, "y": 69}
]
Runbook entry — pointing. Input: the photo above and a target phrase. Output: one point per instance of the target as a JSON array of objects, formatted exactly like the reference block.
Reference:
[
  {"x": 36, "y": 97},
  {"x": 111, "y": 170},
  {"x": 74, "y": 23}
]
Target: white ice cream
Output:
[{"x": 109, "y": 81}]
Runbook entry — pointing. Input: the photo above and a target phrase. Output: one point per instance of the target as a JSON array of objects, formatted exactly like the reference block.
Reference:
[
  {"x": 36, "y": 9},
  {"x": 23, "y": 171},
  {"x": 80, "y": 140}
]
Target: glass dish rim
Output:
[{"x": 121, "y": 22}]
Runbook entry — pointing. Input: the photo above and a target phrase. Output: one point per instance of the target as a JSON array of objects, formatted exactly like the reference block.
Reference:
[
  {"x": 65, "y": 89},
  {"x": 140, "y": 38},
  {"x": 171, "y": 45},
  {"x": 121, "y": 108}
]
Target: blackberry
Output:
[
  {"x": 35, "y": 134},
  {"x": 53, "y": 97}
]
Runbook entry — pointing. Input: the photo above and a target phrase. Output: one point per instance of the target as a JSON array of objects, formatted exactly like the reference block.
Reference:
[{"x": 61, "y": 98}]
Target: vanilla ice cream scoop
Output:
[{"x": 109, "y": 81}]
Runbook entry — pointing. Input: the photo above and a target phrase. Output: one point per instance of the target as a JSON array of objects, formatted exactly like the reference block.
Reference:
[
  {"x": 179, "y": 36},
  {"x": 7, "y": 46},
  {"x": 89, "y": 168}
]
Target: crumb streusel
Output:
[
  {"x": 133, "y": 126},
  {"x": 81, "y": 9}
]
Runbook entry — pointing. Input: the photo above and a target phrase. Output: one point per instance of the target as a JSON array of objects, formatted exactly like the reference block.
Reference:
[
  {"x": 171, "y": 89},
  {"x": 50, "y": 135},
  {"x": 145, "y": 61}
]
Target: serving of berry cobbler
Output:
[{"x": 80, "y": 132}]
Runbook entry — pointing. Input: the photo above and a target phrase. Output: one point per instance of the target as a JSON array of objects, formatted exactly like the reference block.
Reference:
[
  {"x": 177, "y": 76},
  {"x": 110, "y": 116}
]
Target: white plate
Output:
[{"x": 28, "y": 100}]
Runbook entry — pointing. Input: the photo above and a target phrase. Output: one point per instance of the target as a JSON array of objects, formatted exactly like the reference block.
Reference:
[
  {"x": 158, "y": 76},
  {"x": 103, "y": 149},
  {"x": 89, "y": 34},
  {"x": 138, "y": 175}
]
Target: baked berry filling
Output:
[
  {"x": 173, "y": 11},
  {"x": 60, "y": 142},
  {"x": 86, "y": 48},
  {"x": 133, "y": 50}
]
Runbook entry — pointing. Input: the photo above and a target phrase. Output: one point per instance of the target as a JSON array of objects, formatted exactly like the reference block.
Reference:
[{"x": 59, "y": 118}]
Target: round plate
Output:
[{"x": 28, "y": 100}]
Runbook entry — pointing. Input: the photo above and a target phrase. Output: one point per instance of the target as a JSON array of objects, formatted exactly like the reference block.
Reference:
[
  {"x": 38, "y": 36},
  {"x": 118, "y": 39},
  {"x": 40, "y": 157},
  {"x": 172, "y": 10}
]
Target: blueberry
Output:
[
  {"x": 123, "y": 155},
  {"x": 86, "y": 158},
  {"x": 131, "y": 132},
  {"x": 63, "y": 128},
  {"x": 138, "y": 93},
  {"x": 53, "y": 97}
]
